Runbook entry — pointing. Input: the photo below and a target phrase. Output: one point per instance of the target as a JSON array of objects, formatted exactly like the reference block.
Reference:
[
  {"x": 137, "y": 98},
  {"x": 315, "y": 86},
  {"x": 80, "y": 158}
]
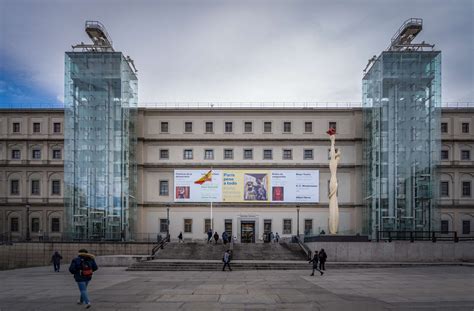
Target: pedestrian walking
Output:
[
  {"x": 322, "y": 259},
  {"x": 226, "y": 260},
  {"x": 56, "y": 260},
  {"x": 180, "y": 238},
  {"x": 83, "y": 266},
  {"x": 209, "y": 235},
  {"x": 315, "y": 263},
  {"x": 272, "y": 237},
  {"x": 277, "y": 237},
  {"x": 216, "y": 236},
  {"x": 224, "y": 237}
]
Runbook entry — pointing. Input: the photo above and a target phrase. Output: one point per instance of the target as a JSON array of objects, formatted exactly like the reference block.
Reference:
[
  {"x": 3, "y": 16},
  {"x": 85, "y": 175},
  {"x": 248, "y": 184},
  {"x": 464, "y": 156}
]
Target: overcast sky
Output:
[{"x": 222, "y": 51}]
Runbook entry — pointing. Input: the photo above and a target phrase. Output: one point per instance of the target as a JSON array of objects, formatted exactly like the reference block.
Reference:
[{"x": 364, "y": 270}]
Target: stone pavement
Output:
[{"x": 414, "y": 288}]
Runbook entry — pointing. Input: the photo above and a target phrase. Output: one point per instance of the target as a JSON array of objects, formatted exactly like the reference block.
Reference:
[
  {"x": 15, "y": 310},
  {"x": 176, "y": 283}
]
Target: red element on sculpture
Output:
[{"x": 331, "y": 131}]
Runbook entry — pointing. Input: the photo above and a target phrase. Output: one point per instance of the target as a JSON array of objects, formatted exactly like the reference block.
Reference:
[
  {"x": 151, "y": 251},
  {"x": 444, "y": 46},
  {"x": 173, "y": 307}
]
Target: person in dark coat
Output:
[
  {"x": 224, "y": 237},
  {"x": 180, "y": 238},
  {"x": 315, "y": 263},
  {"x": 56, "y": 260},
  {"x": 322, "y": 259},
  {"x": 216, "y": 236},
  {"x": 209, "y": 235},
  {"x": 83, "y": 267},
  {"x": 226, "y": 260}
]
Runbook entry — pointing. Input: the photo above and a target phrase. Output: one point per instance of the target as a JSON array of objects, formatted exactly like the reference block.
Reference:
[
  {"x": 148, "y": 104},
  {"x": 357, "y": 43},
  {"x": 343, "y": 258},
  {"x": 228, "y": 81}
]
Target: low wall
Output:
[
  {"x": 396, "y": 251},
  {"x": 21, "y": 255}
]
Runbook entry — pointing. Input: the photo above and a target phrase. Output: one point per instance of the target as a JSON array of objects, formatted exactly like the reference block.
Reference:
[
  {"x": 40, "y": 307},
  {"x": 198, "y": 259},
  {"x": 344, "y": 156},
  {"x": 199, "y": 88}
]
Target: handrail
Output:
[
  {"x": 412, "y": 236},
  {"x": 161, "y": 245},
  {"x": 304, "y": 247}
]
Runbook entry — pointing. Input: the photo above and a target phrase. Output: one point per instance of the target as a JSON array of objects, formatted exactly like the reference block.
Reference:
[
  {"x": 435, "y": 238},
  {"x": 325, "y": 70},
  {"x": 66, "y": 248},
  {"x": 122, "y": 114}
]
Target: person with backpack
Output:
[
  {"x": 216, "y": 237},
  {"x": 315, "y": 263},
  {"x": 56, "y": 260},
  {"x": 226, "y": 260},
  {"x": 180, "y": 238},
  {"x": 322, "y": 259},
  {"x": 83, "y": 266}
]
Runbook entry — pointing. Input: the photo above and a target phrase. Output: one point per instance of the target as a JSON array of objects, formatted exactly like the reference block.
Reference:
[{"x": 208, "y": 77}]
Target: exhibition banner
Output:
[{"x": 285, "y": 186}]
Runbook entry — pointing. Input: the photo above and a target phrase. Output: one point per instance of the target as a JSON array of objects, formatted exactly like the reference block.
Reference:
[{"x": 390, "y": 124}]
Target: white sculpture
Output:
[{"x": 333, "y": 205}]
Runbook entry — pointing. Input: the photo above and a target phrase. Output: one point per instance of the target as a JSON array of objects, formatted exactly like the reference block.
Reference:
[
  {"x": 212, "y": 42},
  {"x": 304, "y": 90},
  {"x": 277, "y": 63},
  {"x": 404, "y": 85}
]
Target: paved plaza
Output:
[{"x": 423, "y": 288}]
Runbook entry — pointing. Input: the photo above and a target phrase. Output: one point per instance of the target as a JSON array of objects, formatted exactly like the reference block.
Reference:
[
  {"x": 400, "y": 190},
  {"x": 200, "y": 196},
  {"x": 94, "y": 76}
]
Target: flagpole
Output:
[{"x": 212, "y": 219}]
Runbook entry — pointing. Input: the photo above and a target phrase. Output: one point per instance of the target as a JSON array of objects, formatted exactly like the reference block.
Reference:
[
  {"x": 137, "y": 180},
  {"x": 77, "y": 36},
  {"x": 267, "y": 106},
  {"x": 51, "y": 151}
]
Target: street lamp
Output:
[
  {"x": 298, "y": 221},
  {"x": 27, "y": 222},
  {"x": 168, "y": 222}
]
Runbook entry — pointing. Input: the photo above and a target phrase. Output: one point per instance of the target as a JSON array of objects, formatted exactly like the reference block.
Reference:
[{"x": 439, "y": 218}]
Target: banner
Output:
[{"x": 284, "y": 186}]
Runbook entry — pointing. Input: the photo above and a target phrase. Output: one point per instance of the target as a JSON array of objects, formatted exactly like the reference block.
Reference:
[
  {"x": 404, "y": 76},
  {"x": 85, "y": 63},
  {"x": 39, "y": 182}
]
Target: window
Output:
[
  {"x": 465, "y": 155},
  {"x": 188, "y": 225},
  {"x": 16, "y": 127},
  {"x": 444, "y": 155},
  {"x": 209, "y": 127},
  {"x": 57, "y": 154},
  {"x": 308, "y": 127},
  {"x": 14, "y": 187},
  {"x": 228, "y": 154},
  {"x": 228, "y": 226},
  {"x": 267, "y": 127},
  {"x": 248, "y": 128},
  {"x": 444, "y": 189},
  {"x": 164, "y": 127},
  {"x": 57, "y": 127},
  {"x": 287, "y": 154},
  {"x": 164, "y": 154},
  {"x": 35, "y": 224},
  {"x": 55, "y": 224},
  {"x": 333, "y": 125},
  {"x": 56, "y": 187},
  {"x": 228, "y": 127},
  {"x": 286, "y": 226},
  {"x": 164, "y": 189},
  {"x": 465, "y": 128},
  {"x": 36, "y": 154},
  {"x": 287, "y": 127},
  {"x": 36, "y": 127},
  {"x": 35, "y": 187},
  {"x": 188, "y": 127},
  {"x": 208, "y": 154},
  {"x": 444, "y": 127},
  {"x": 16, "y": 154},
  {"x": 308, "y": 226},
  {"x": 267, "y": 154},
  {"x": 466, "y": 227},
  {"x": 308, "y": 154},
  {"x": 188, "y": 154},
  {"x": 466, "y": 188},
  {"x": 14, "y": 225},
  {"x": 248, "y": 154},
  {"x": 207, "y": 225},
  {"x": 444, "y": 226},
  {"x": 163, "y": 225}
]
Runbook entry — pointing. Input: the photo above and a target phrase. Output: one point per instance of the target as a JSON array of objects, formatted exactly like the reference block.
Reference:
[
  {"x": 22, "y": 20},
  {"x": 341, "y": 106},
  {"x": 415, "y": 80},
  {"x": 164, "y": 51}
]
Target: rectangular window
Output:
[
  {"x": 164, "y": 189},
  {"x": 228, "y": 227},
  {"x": 35, "y": 187},
  {"x": 16, "y": 154},
  {"x": 445, "y": 155},
  {"x": 209, "y": 127},
  {"x": 444, "y": 189},
  {"x": 248, "y": 128},
  {"x": 465, "y": 155},
  {"x": 14, "y": 187},
  {"x": 188, "y": 154},
  {"x": 207, "y": 224},
  {"x": 308, "y": 127},
  {"x": 55, "y": 224},
  {"x": 36, "y": 154},
  {"x": 444, "y": 127},
  {"x": 57, "y": 127},
  {"x": 164, "y": 127},
  {"x": 16, "y": 127},
  {"x": 466, "y": 227},
  {"x": 208, "y": 154},
  {"x": 308, "y": 154},
  {"x": 333, "y": 125},
  {"x": 164, "y": 154},
  {"x": 287, "y": 154},
  {"x": 267, "y": 127},
  {"x": 287, "y": 127},
  {"x": 228, "y": 154},
  {"x": 14, "y": 224},
  {"x": 188, "y": 225},
  {"x": 248, "y": 154},
  {"x": 35, "y": 224},
  {"x": 286, "y": 226},
  {"x": 228, "y": 127},
  {"x": 308, "y": 226},
  {"x": 466, "y": 188},
  {"x": 163, "y": 225},
  {"x": 267, "y": 154},
  {"x": 57, "y": 154},
  {"x": 444, "y": 226},
  {"x": 36, "y": 127},
  {"x": 188, "y": 127},
  {"x": 56, "y": 187},
  {"x": 465, "y": 128}
]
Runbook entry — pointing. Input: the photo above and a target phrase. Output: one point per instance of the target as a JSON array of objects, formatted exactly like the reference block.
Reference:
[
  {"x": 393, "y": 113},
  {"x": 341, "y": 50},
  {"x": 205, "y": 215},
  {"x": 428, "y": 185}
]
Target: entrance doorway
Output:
[{"x": 247, "y": 232}]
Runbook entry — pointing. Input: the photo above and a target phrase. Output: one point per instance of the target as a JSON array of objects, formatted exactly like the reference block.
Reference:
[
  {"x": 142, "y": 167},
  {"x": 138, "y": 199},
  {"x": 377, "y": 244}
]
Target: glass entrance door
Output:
[{"x": 247, "y": 231}]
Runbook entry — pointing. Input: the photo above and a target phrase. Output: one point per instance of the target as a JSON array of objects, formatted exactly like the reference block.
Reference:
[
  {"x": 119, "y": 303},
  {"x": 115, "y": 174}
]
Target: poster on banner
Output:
[{"x": 185, "y": 190}]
